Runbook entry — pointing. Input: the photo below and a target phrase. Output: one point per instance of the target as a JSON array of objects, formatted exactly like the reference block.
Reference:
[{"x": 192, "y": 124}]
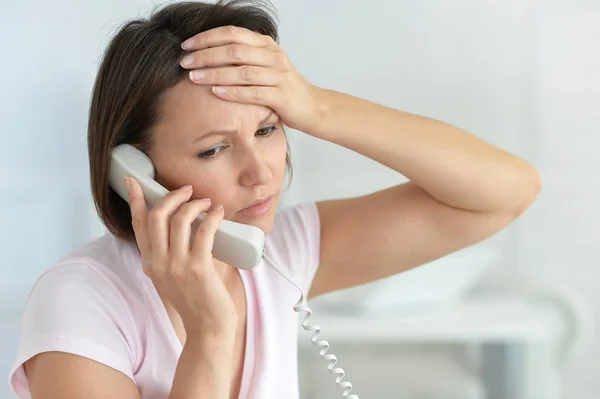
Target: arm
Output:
[
  {"x": 461, "y": 191},
  {"x": 61, "y": 375},
  {"x": 203, "y": 371}
]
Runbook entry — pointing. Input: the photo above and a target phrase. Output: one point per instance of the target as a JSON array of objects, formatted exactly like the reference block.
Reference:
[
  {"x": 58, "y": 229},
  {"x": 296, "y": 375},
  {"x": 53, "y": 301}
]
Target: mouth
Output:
[{"x": 258, "y": 207}]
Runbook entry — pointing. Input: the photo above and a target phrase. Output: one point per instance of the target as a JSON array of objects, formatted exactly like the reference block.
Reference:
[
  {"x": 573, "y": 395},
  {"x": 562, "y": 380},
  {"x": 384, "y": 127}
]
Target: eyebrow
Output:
[{"x": 229, "y": 132}]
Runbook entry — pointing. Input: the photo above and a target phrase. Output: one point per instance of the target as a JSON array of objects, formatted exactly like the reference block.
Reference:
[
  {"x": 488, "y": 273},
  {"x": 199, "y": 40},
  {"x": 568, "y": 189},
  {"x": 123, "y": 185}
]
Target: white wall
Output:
[
  {"x": 559, "y": 243},
  {"x": 517, "y": 73}
]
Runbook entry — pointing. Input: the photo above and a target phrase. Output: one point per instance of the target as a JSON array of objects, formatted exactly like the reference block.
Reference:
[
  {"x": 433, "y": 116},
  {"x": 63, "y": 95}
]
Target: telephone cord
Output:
[{"x": 302, "y": 306}]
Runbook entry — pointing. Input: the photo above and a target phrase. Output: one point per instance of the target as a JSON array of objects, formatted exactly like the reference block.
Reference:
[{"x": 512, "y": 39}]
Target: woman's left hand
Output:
[{"x": 249, "y": 67}]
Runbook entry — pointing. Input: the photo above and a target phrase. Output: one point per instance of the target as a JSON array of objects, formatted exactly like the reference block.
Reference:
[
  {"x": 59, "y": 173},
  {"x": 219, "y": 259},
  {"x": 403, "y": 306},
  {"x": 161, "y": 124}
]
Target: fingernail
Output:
[
  {"x": 186, "y": 45},
  {"x": 186, "y": 187},
  {"x": 206, "y": 199},
  {"x": 196, "y": 75},
  {"x": 187, "y": 60},
  {"x": 127, "y": 184},
  {"x": 219, "y": 208},
  {"x": 218, "y": 90}
]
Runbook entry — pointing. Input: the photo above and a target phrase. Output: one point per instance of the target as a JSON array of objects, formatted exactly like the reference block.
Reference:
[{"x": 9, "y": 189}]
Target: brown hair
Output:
[{"x": 139, "y": 65}]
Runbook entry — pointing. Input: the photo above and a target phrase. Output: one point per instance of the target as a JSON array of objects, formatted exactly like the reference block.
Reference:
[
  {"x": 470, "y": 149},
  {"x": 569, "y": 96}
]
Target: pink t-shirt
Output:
[{"x": 98, "y": 303}]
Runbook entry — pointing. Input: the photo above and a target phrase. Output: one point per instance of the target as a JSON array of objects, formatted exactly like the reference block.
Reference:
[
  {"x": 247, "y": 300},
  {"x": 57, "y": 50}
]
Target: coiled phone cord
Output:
[{"x": 302, "y": 306}]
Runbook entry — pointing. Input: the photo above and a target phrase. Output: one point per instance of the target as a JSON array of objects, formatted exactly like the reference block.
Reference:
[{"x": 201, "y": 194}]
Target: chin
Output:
[
  {"x": 264, "y": 222},
  {"x": 266, "y": 227}
]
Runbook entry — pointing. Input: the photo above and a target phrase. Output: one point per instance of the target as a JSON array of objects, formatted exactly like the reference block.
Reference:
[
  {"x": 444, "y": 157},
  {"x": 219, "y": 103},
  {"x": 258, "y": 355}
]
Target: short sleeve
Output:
[
  {"x": 73, "y": 309},
  {"x": 295, "y": 242}
]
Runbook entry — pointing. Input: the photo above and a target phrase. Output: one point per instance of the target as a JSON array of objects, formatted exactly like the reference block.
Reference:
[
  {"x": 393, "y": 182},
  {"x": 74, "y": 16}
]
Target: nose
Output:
[{"x": 256, "y": 170}]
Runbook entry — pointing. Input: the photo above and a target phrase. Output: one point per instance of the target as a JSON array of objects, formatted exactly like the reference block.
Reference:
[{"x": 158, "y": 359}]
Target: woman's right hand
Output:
[{"x": 185, "y": 273}]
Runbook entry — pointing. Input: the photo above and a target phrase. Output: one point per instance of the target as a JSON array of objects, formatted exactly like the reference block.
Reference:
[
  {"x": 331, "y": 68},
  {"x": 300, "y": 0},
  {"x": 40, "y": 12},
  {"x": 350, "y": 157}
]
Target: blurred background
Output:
[{"x": 512, "y": 317}]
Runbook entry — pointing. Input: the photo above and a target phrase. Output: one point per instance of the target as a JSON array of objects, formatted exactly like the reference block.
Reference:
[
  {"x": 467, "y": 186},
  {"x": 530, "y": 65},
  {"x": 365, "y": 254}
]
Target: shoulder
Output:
[
  {"x": 100, "y": 275},
  {"x": 107, "y": 260},
  {"x": 87, "y": 304},
  {"x": 294, "y": 242},
  {"x": 93, "y": 287},
  {"x": 296, "y": 220}
]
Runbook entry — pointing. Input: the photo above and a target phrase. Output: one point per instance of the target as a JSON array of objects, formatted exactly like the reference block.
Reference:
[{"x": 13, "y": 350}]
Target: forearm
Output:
[
  {"x": 453, "y": 166},
  {"x": 204, "y": 369}
]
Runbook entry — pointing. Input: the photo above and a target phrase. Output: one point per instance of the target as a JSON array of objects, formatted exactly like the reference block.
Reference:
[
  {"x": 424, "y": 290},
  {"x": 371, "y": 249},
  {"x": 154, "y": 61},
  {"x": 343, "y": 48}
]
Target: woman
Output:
[{"x": 205, "y": 91}]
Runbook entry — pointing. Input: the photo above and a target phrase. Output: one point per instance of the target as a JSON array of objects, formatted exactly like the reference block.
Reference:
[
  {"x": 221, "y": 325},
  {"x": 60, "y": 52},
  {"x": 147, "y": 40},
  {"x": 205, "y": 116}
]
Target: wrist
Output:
[
  {"x": 211, "y": 340},
  {"x": 316, "y": 109},
  {"x": 221, "y": 328},
  {"x": 324, "y": 100}
]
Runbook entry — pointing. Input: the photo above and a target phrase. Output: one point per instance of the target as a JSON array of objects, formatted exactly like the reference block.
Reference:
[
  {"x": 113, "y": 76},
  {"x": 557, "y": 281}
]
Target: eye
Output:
[
  {"x": 266, "y": 131},
  {"x": 211, "y": 153}
]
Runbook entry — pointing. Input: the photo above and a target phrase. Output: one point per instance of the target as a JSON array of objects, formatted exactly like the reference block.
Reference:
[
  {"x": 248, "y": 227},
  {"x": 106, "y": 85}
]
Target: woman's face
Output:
[{"x": 232, "y": 153}]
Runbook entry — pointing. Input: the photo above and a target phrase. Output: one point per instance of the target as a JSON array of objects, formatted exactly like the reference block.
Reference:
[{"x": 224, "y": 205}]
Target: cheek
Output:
[
  {"x": 279, "y": 154},
  {"x": 212, "y": 185},
  {"x": 208, "y": 181}
]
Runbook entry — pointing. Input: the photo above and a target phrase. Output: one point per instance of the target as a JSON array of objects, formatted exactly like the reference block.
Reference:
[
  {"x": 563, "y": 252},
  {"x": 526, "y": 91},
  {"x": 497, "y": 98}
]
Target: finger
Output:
[
  {"x": 260, "y": 95},
  {"x": 230, "y": 54},
  {"x": 139, "y": 215},
  {"x": 181, "y": 226},
  {"x": 223, "y": 35},
  {"x": 159, "y": 219},
  {"x": 242, "y": 75},
  {"x": 205, "y": 234}
]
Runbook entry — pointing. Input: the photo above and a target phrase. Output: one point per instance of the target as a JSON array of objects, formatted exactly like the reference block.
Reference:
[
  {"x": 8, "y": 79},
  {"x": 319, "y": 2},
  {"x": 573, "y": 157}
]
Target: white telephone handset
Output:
[{"x": 236, "y": 244}]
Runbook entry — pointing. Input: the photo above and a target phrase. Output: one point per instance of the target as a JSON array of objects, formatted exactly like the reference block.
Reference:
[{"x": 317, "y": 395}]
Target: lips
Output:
[
  {"x": 258, "y": 207},
  {"x": 259, "y": 201}
]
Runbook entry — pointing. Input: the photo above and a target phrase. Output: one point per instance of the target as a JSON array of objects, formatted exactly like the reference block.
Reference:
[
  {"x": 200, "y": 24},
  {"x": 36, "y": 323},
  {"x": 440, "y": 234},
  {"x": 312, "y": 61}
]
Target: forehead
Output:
[{"x": 190, "y": 108}]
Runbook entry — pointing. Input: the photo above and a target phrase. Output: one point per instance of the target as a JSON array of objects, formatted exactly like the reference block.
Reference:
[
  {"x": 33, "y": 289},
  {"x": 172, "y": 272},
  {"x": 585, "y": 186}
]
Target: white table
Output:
[{"x": 521, "y": 338}]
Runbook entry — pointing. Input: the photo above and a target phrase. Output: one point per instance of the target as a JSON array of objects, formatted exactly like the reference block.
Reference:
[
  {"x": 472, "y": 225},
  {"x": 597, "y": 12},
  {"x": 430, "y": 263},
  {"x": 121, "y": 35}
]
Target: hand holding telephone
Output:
[{"x": 236, "y": 244}]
